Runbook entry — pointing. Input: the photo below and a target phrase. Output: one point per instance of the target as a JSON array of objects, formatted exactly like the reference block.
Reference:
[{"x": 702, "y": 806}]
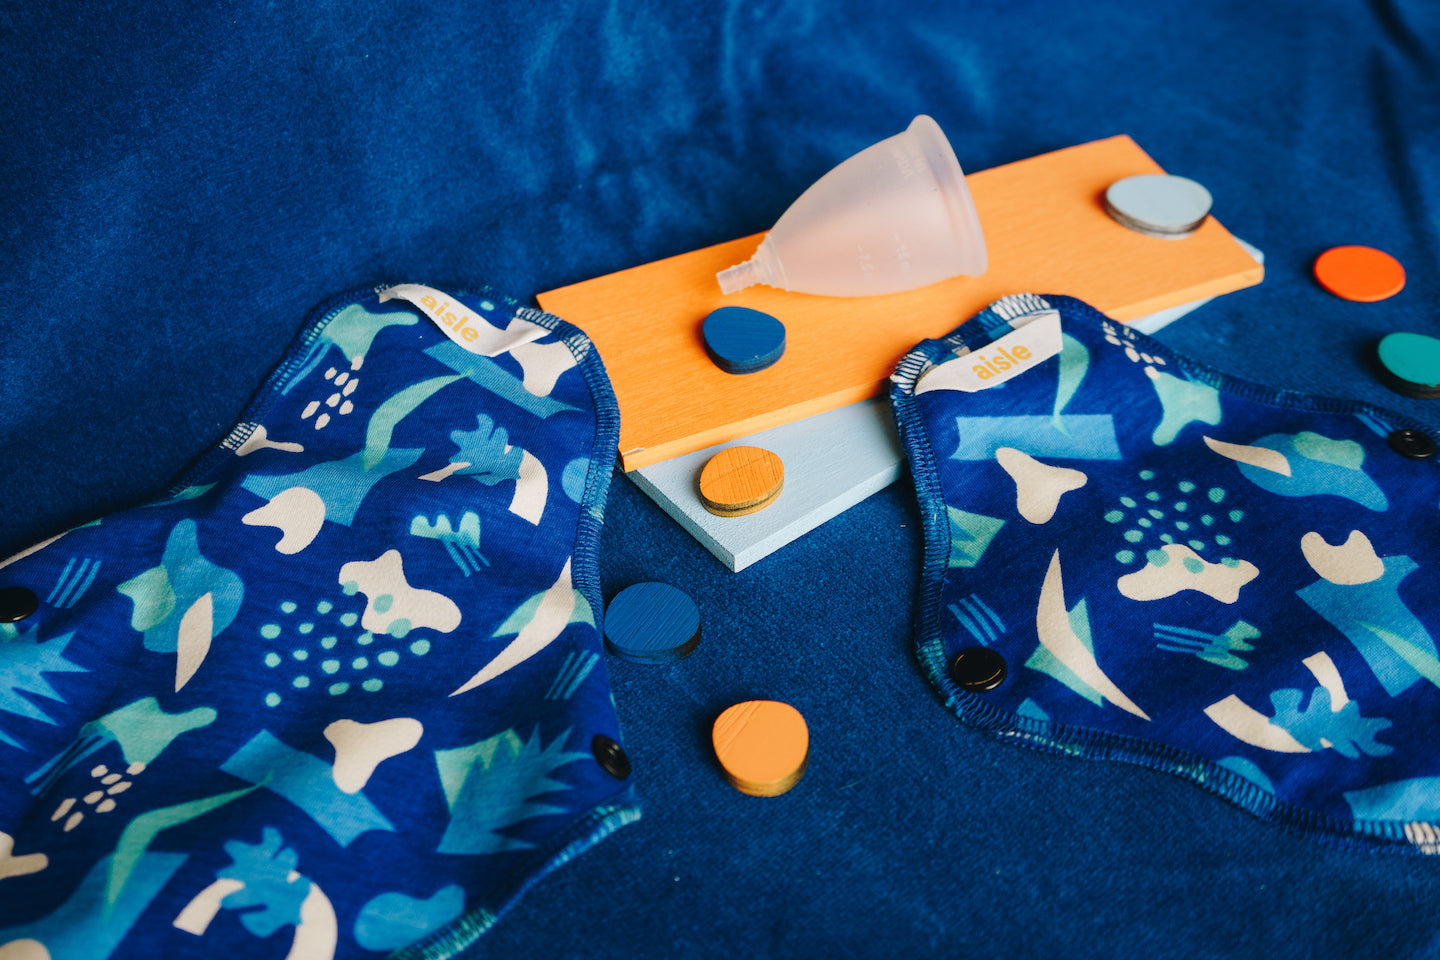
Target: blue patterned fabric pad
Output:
[
  {"x": 1166, "y": 566},
  {"x": 340, "y": 691}
]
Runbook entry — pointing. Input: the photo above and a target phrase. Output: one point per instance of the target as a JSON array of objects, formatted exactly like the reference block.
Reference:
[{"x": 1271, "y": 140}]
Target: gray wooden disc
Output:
[{"x": 1158, "y": 204}]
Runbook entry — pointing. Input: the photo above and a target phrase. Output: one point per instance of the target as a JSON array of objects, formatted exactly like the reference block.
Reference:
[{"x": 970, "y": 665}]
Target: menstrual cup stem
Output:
[
  {"x": 738, "y": 277},
  {"x": 764, "y": 267}
]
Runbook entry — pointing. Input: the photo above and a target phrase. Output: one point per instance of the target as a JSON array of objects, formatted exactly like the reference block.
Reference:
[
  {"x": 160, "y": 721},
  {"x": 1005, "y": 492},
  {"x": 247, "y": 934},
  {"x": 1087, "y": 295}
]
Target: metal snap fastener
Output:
[
  {"x": 978, "y": 668},
  {"x": 17, "y": 603},
  {"x": 611, "y": 756},
  {"x": 1412, "y": 444}
]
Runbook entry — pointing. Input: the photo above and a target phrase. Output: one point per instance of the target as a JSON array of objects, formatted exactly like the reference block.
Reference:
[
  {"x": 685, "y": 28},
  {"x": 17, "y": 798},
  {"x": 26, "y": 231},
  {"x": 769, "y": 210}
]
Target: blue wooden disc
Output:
[
  {"x": 741, "y": 340},
  {"x": 652, "y": 623}
]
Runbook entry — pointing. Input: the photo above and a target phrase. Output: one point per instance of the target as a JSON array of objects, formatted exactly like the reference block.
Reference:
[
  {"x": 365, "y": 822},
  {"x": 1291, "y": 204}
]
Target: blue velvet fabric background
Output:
[{"x": 180, "y": 184}]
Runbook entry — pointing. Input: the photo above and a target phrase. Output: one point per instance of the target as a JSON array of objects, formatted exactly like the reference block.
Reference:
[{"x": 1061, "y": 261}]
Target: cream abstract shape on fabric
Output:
[
  {"x": 1175, "y": 567},
  {"x": 25, "y": 948},
  {"x": 1248, "y": 725},
  {"x": 1038, "y": 486},
  {"x": 13, "y": 866},
  {"x": 198, "y": 914},
  {"x": 392, "y": 602},
  {"x": 193, "y": 639},
  {"x": 318, "y": 932},
  {"x": 1349, "y": 563},
  {"x": 259, "y": 439},
  {"x": 1328, "y": 676},
  {"x": 361, "y": 747},
  {"x": 435, "y": 476},
  {"x": 1052, "y": 621},
  {"x": 298, "y": 512},
  {"x": 532, "y": 488},
  {"x": 1262, "y": 457},
  {"x": 542, "y": 364}
]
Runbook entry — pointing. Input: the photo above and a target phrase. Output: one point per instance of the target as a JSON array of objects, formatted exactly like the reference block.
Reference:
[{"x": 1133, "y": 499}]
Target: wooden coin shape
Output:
[
  {"x": 652, "y": 623},
  {"x": 762, "y": 746},
  {"x": 1410, "y": 364},
  {"x": 742, "y": 340},
  {"x": 741, "y": 480},
  {"x": 1158, "y": 204},
  {"x": 1358, "y": 273}
]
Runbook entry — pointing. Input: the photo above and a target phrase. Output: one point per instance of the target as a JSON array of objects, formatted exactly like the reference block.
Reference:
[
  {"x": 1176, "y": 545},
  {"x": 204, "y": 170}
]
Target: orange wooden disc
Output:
[
  {"x": 741, "y": 480},
  {"x": 762, "y": 745},
  {"x": 1359, "y": 273}
]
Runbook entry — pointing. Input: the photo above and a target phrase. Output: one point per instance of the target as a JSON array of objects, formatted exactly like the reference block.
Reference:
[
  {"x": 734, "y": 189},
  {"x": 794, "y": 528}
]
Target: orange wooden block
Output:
[
  {"x": 741, "y": 480},
  {"x": 1046, "y": 230},
  {"x": 762, "y": 745}
]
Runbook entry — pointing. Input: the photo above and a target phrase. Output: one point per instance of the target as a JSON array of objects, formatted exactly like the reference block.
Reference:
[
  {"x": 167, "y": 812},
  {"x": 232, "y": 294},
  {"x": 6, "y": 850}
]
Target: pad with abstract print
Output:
[
  {"x": 339, "y": 692},
  {"x": 1131, "y": 556}
]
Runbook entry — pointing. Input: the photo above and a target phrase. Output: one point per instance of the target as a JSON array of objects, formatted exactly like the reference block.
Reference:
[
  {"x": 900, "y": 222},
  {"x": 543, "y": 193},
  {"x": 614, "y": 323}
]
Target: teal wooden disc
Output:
[
  {"x": 1410, "y": 364},
  {"x": 652, "y": 623}
]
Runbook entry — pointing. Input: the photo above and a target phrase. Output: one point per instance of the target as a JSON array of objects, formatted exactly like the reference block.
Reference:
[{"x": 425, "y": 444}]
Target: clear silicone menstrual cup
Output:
[{"x": 894, "y": 217}]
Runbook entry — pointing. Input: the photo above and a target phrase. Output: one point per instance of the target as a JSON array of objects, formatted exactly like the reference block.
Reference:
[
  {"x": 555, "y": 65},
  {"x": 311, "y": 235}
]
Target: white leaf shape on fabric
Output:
[
  {"x": 193, "y": 638},
  {"x": 1052, "y": 621},
  {"x": 536, "y": 624},
  {"x": 1245, "y": 723},
  {"x": 1262, "y": 457}
]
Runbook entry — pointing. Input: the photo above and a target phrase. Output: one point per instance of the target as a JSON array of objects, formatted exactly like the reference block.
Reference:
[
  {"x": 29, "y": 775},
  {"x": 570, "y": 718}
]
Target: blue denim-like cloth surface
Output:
[
  {"x": 1234, "y": 584},
  {"x": 344, "y": 680},
  {"x": 181, "y": 183}
]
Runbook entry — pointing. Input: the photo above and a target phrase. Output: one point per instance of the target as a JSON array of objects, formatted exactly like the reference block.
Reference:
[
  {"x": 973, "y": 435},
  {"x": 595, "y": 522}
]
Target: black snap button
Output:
[
  {"x": 978, "y": 668},
  {"x": 611, "y": 756},
  {"x": 1412, "y": 444},
  {"x": 17, "y": 603}
]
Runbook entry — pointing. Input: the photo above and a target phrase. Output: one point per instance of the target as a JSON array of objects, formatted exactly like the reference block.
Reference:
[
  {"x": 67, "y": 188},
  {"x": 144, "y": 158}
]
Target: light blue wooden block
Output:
[{"x": 832, "y": 461}]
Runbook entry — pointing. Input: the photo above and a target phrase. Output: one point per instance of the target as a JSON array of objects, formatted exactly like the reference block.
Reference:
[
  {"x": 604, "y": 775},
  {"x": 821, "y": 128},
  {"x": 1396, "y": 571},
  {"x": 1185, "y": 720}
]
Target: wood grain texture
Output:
[
  {"x": 1046, "y": 230},
  {"x": 833, "y": 460},
  {"x": 742, "y": 341},
  {"x": 652, "y": 622},
  {"x": 763, "y": 746},
  {"x": 741, "y": 480}
]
